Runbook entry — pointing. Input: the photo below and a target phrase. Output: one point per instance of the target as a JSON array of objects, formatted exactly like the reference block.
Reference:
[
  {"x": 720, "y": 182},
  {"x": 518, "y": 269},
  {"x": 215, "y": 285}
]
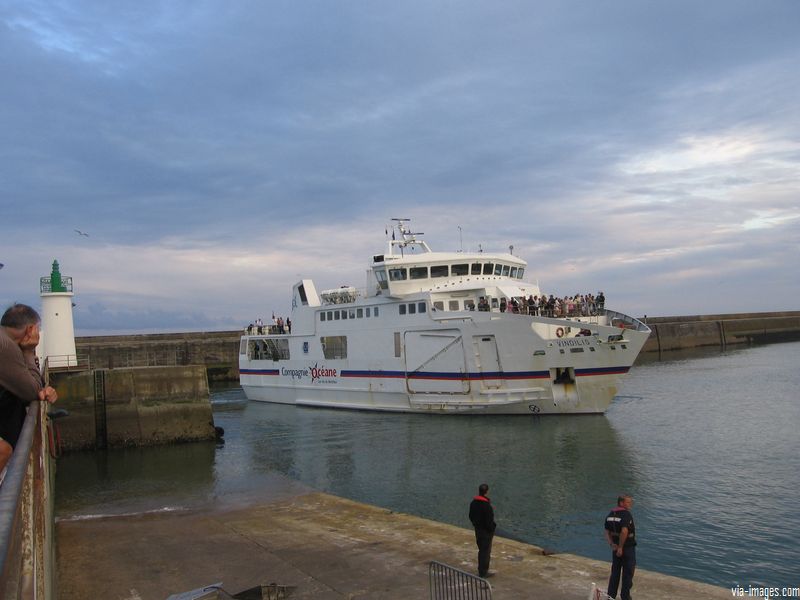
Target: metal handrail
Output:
[
  {"x": 68, "y": 362},
  {"x": 141, "y": 358},
  {"x": 11, "y": 487},
  {"x": 25, "y": 565},
  {"x": 449, "y": 583}
]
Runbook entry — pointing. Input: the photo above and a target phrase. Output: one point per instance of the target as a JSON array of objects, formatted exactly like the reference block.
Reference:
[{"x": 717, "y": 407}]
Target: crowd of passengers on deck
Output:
[
  {"x": 279, "y": 326},
  {"x": 579, "y": 305}
]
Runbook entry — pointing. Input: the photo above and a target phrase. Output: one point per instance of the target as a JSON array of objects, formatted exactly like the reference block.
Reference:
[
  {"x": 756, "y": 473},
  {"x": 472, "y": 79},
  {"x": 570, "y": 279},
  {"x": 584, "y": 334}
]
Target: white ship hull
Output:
[
  {"x": 500, "y": 366},
  {"x": 437, "y": 333}
]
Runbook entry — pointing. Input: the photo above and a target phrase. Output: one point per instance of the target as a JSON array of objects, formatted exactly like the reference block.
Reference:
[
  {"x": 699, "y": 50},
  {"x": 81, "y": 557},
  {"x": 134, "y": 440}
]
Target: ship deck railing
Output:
[
  {"x": 524, "y": 309},
  {"x": 601, "y": 316},
  {"x": 265, "y": 330}
]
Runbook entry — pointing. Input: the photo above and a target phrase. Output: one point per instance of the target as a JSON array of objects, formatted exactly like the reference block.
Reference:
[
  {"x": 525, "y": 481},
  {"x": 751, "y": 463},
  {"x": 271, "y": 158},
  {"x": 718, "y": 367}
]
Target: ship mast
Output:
[{"x": 407, "y": 238}]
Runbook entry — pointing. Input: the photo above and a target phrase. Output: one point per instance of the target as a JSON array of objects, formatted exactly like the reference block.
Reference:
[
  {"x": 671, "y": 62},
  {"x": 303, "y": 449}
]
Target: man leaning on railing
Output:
[{"x": 21, "y": 381}]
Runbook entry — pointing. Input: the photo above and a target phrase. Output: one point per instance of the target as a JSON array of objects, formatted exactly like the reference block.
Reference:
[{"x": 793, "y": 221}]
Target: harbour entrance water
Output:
[{"x": 708, "y": 444}]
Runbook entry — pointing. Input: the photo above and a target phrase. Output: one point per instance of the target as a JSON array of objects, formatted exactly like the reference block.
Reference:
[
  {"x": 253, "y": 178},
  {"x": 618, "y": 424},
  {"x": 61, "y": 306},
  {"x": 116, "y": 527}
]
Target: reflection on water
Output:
[
  {"x": 134, "y": 479},
  {"x": 432, "y": 465},
  {"x": 707, "y": 444}
]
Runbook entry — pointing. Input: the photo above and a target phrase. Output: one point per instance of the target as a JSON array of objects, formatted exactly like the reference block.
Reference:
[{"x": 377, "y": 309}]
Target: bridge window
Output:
[
  {"x": 506, "y": 269},
  {"x": 422, "y": 307},
  {"x": 488, "y": 268},
  {"x": 452, "y": 305},
  {"x": 398, "y": 274},
  {"x": 476, "y": 268},
  {"x": 412, "y": 309},
  {"x": 440, "y": 271},
  {"x": 513, "y": 272},
  {"x": 520, "y": 273},
  {"x": 418, "y": 272},
  {"x": 498, "y": 269},
  {"x": 402, "y": 309},
  {"x": 334, "y": 346},
  {"x": 376, "y": 311},
  {"x": 380, "y": 274},
  {"x": 459, "y": 269},
  {"x": 322, "y": 316},
  {"x": 360, "y": 313}
]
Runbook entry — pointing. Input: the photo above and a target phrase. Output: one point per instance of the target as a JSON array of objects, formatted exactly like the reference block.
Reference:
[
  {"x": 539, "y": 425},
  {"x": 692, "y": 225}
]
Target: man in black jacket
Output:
[
  {"x": 621, "y": 536},
  {"x": 481, "y": 514}
]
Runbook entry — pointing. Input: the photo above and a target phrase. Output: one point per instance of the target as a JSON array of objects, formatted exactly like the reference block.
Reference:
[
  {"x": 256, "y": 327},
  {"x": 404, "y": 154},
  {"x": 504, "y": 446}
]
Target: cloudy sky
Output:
[{"x": 216, "y": 152}]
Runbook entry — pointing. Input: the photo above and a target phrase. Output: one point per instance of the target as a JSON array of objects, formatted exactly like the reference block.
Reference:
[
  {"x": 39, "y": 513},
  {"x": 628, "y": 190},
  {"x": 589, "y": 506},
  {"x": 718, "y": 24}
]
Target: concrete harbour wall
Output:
[
  {"x": 134, "y": 406},
  {"x": 217, "y": 350},
  {"x": 681, "y": 333}
]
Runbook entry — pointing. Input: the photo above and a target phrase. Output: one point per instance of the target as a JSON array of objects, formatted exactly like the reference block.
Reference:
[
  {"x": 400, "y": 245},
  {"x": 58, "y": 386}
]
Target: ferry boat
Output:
[{"x": 428, "y": 335}]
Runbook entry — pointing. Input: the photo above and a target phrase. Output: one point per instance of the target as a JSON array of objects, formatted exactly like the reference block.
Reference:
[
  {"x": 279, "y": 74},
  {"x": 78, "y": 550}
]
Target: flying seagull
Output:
[{"x": 79, "y": 232}]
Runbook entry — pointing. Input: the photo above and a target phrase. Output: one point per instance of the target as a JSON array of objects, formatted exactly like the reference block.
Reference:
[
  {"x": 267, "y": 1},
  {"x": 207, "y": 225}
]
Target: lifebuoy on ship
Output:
[{"x": 560, "y": 332}]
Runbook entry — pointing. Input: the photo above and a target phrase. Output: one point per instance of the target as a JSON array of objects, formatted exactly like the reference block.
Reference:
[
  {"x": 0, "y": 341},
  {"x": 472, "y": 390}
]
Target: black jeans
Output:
[
  {"x": 484, "y": 540},
  {"x": 623, "y": 565}
]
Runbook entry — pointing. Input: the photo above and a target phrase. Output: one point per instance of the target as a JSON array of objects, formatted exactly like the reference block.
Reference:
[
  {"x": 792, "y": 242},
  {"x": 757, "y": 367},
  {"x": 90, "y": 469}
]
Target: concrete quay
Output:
[{"x": 328, "y": 547}]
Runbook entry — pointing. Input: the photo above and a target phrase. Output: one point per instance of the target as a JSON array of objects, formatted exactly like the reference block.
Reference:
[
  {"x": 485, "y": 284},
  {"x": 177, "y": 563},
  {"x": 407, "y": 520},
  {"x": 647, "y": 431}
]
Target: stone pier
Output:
[{"x": 326, "y": 547}]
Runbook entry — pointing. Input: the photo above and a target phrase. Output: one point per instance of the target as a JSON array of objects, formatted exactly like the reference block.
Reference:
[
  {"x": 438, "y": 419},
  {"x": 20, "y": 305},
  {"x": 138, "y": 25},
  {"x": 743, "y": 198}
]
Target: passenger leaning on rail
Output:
[{"x": 21, "y": 381}]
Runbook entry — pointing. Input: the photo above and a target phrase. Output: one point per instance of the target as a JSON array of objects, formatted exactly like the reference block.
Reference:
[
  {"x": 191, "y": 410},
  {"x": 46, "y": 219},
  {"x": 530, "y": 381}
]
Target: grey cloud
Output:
[{"x": 228, "y": 122}]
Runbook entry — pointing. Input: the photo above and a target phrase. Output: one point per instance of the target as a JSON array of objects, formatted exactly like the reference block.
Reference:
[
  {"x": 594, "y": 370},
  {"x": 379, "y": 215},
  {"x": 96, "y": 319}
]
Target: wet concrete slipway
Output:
[{"x": 326, "y": 546}]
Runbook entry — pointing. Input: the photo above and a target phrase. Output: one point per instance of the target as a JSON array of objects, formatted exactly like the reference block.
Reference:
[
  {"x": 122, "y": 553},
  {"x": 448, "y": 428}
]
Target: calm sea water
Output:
[{"x": 709, "y": 446}]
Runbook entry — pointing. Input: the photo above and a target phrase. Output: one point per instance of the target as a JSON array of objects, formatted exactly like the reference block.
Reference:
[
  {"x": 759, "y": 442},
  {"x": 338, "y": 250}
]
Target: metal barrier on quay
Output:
[
  {"x": 449, "y": 583},
  {"x": 27, "y": 549},
  {"x": 142, "y": 357}
]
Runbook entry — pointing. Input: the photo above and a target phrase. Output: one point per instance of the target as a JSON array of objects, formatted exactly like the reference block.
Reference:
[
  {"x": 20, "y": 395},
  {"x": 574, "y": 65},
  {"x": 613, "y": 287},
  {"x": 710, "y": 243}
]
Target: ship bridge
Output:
[{"x": 410, "y": 267}]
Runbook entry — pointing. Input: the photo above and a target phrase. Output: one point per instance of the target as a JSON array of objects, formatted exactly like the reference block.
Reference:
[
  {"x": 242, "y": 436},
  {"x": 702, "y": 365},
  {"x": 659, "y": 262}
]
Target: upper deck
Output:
[{"x": 410, "y": 266}]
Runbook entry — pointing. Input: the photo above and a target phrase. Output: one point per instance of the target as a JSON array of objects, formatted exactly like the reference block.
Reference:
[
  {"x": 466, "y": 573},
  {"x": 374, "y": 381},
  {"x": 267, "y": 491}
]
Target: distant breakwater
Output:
[
  {"x": 218, "y": 351},
  {"x": 698, "y": 331}
]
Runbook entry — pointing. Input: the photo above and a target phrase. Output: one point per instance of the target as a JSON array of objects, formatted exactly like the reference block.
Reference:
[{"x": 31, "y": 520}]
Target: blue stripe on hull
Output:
[
  {"x": 602, "y": 371},
  {"x": 259, "y": 372},
  {"x": 443, "y": 376}
]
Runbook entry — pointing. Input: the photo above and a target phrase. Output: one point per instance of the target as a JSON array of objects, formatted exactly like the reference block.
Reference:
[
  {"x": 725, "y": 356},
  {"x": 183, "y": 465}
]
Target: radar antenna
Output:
[{"x": 407, "y": 237}]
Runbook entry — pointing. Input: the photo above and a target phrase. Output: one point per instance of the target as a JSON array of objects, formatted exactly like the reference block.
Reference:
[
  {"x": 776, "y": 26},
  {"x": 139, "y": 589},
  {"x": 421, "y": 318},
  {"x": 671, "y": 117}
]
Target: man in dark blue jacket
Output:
[
  {"x": 481, "y": 514},
  {"x": 621, "y": 536}
]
